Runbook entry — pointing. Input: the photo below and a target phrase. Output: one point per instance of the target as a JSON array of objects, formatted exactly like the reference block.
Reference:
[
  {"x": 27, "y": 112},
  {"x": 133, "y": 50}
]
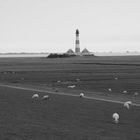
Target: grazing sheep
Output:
[
  {"x": 35, "y": 96},
  {"x": 81, "y": 95},
  {"x": 115, "y": 117},
  {"x": 77, "y": 79},
  {"x": 73, "y": 86},
  {"x": 116, "y": 78},
  {"x": 127, "y": 104},
  {"x": 136, "y": 93},
  {"x": 124, "y": 91},
  {"x": 46, "y": 97},
  {"x": 58, "y": 81},
  {"x": 110, "y": 89}
]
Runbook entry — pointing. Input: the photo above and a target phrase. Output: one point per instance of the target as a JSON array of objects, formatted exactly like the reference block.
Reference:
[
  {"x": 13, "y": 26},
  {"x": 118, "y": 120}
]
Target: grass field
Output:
[
  {"x": 95, "y": 73},
  {"x": 65, "y": 117}
]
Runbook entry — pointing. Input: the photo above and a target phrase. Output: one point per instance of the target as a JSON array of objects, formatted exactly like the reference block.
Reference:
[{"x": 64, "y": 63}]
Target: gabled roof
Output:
[
  {"x": 85, "y": 51},
  {"x": 70, "y": 51}
]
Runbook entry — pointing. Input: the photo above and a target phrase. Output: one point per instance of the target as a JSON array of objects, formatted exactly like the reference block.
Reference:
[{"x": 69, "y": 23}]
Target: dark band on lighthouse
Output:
[{"x": 77, "y": 43}]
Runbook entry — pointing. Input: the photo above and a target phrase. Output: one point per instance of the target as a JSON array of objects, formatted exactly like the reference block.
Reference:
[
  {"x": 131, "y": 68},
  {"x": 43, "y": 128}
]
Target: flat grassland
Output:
[{"x": 65, "y": 117}]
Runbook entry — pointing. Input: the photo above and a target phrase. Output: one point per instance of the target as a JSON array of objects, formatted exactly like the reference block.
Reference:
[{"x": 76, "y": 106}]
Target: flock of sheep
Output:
[
  {"x": 109, "y": 89},
  {"x": 45, "y": 97},
  {"x": 126, "y": 104},
  {"x": 115, "y": 116}
]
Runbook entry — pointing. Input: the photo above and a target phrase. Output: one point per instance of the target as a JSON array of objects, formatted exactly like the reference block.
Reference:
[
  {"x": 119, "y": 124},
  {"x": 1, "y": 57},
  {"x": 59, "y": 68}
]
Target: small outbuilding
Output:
[
  {"x": 85, "y": 52},
  {"x": 70, "y": 52}
]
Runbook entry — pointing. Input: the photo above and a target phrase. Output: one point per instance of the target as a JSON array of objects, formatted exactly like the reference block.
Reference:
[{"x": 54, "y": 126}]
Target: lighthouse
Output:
[
  {"x": 77, "y": 43},
  {"x": 84, "y": 52}
]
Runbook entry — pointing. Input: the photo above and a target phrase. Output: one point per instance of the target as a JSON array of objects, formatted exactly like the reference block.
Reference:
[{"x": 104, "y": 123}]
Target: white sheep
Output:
[
  {"x": 116, "y": 78},
  {"x": 136, "y": 93},
  {"x": 45, "y": 97},
  {"x": 115, "y": 117},
  {"x": 81, "y": 95},
  {"x": 35, "y": 96},
  {"x": 127, "y": 104},
  {"x": 77, "y": 79},
  {"x": 110, "y": 89},
  {"x": 124, "y": 91},
  {"x": 73, "y": 86},
  {"x": 58, "y": 81}
]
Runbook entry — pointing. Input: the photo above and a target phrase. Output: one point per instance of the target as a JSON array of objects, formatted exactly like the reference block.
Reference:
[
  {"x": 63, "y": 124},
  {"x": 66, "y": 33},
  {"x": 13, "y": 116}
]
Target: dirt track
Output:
[{"x": 93, "y": 97}]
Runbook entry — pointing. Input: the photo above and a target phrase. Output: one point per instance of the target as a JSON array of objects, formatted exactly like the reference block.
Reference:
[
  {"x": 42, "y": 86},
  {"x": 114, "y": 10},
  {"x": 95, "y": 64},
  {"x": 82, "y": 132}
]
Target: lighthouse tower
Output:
[{"x": 77, "y": 43}]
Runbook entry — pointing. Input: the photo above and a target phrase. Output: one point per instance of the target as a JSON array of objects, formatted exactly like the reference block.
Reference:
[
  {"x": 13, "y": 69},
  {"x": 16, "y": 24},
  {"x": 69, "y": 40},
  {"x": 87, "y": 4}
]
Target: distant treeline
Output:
[{"x": 56, "y": 55}]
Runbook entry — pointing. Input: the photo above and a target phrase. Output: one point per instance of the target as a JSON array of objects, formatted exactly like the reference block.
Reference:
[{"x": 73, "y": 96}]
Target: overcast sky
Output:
[{"x": 49, "y": 25}]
